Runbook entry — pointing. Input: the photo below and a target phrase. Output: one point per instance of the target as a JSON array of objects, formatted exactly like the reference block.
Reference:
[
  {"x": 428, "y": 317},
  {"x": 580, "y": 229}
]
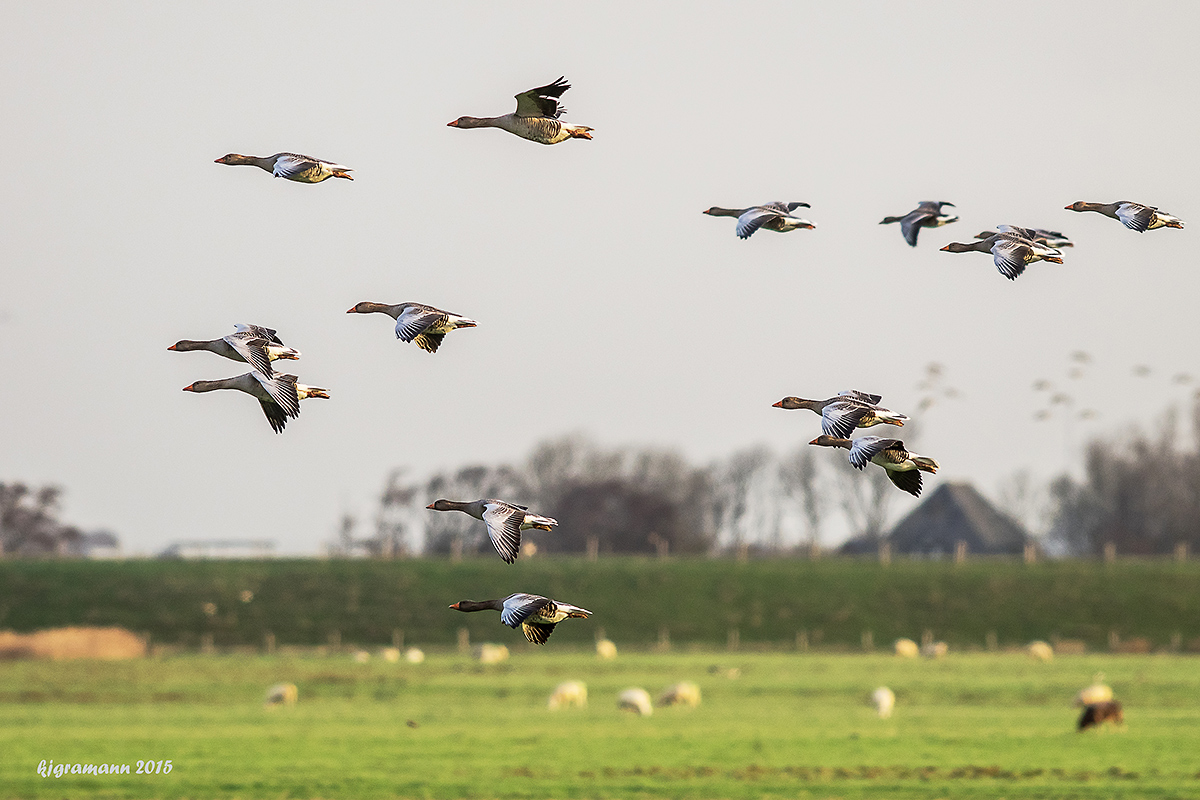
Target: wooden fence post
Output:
[
  {"x": 593, "y": 548},
  {"x": 269, "y": 643},
  {"x": 1110, "y": 552},
  {"x": 1030, "y": 553},
  {"x": 464, "y": 641},
  {"x": 885, "y": 553},
  {"x": 734, "y": 639},
  {"x": 1181, "y": 551},
  {"x": 960, "y": 551},
  {"x": 398, "y": 638}
]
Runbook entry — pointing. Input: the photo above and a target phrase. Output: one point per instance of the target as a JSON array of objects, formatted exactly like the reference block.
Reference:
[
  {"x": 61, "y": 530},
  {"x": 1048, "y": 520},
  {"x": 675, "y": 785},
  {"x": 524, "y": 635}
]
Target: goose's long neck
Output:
[
  {"x": 479, "y": 605},
  {"x": 480, "y": 122},
  {"x": 187, "y": 345},
  {"x": 717, "y": 211},
  {"x": 212, "y": 386},
  {"x": 982, "y": 245}
]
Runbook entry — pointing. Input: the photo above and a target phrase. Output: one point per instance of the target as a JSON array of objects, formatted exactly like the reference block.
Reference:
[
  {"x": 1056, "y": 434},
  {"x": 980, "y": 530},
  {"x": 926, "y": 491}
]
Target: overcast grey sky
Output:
[{"x": 608, "y": 304}]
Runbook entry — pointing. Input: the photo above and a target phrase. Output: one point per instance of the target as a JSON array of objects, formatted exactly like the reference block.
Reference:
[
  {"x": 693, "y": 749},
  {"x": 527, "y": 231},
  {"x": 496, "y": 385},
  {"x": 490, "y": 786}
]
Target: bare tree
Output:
[
  {"x": 799, "y": 479},
  {"x": 29, "y": 524}
]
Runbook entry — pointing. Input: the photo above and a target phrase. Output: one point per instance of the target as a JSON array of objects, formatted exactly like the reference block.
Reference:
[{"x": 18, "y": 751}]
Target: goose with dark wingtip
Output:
[
  {"x": 536, "y": 117},
  {"x": 903, "y": 468},
  {"x": 1042, "y": 236},
  {"x": 775, "y": 216},
  {"x": 927, "y": 214},
  {"x": 416, "y": 322},
  {"x": 1012, "y": 248},
  {"x": 1135, "y": 216},
  {"x": 536, "y": 615},
  {"x": 251, "y": 344},
  {"x": 293, "y": 166},
  {"x": 504, "y": 521},
  {"x": 279, "y": 394},
  {"x": 849, "y": 410}
]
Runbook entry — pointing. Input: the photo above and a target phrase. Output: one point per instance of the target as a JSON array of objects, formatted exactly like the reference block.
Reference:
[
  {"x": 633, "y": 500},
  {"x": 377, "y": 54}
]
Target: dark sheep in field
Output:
[{"x": 1098, "y": 713}]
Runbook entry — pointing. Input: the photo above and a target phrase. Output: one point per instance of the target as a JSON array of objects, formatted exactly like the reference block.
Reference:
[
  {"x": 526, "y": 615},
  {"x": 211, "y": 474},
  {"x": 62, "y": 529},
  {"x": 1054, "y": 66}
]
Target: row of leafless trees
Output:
[
  {"x": 635, "y": 500},
  {"x": 29, "y": 523},
  {"x": 1141, "y": 493}
]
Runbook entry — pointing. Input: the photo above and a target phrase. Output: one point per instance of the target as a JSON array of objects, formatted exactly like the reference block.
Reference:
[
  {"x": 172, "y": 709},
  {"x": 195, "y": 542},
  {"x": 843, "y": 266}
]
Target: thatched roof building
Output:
[{"x": 952, "y": 513}]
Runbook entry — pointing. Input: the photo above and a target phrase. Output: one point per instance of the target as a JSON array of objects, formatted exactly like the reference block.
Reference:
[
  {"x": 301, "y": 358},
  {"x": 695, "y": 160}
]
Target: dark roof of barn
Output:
[{"x": 957, "y": 512}]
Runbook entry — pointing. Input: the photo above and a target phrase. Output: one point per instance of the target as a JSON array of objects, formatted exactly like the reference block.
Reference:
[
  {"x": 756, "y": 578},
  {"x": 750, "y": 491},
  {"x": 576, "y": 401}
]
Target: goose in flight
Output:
[
  {"x": 294, "y": 167},
  {"x": 536, "y": 117},
  {"x": 504, "y": 521},
  {"x": 536, "y": 615}
]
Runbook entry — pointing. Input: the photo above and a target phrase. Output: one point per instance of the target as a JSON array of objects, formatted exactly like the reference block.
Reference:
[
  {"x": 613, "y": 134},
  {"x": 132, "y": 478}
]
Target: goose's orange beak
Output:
[
  {"x": 777, "y": 405},
  {"x": 189, "y": 388},
  {"x": 454, "y": 606},
  {"x": 452, "y": 124}
]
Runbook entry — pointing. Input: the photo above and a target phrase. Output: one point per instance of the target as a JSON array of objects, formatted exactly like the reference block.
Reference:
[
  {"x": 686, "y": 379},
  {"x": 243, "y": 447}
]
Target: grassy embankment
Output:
[
  {"x": 697, "y": 600},
  {"x": 792, "y": 725}
]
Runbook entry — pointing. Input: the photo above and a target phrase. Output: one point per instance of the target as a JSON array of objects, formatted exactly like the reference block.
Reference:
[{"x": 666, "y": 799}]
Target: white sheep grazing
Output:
[
  {"x": 569, "y": 693},
  {"x": 635, "y": 700},
  {"x": 390, "y": 654},
  {"x": 907, "y": 648},
  {"x": 361, "y": 656},
  {"x": 606, "y": 650},
  {"x": 884, "y": 700},
  {"x": 1041, "y": 651},
  {"x": 681, "y": 694},
  {"x": 491, "y": 653},
  {"x": 414, "y": 655},
  {"x": 282, "y": 694},
  {"x": 935, "y": 650},
  {"x": 1098, "y": 692}
]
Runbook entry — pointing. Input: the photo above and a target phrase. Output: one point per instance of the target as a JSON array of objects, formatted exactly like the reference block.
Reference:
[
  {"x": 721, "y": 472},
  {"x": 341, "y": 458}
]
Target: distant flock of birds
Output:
[{"x": 536, "y": 118}]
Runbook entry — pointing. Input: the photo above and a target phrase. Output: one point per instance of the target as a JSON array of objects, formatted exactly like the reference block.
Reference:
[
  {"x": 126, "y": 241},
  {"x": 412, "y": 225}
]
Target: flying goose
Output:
[
  {"x": 536, "y": 117},
  {"x": 1040, "y": 235},
  {"x": 1134, "y": 216},
  {"x": 1011, "y": 248},
  {"x": 505, "y": 521},
  {"x": 294, "y": 167},
  {"x": 536, "y": 615},
  {"x": 251, "y": 344},
  {"x": 927, "y": 214},
  {"x": 416, "y": 322},
  {"x": 775, "y": 216},
  {"x": 279, "y": 395},
  {"x": 849, "y": 410},
  {"x": 903, "y": 468}
]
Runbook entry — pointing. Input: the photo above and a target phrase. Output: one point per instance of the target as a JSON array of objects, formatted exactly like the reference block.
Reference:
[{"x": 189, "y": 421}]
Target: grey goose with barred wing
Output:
[
  {"x": 251, "y": 344},
  {"x": 536, "y": 615},
  {"x": 849, "y": 410},
  {"x": 927, "y": 214},
  {"x": 279, "y": 395},
  {"x": 1134, "y": 216},
  {"x": 1040, "y": 235},
  {"x": 1011, "y": 250},
  {"x": 293, "y": 166},
  {"x": 775, "y": 216},
  {"x": 903, "y": 468},
  {"x": 423, "y": 325},
  {"x": 504, "y": 521},
  {"x": 536, "y": 117}
]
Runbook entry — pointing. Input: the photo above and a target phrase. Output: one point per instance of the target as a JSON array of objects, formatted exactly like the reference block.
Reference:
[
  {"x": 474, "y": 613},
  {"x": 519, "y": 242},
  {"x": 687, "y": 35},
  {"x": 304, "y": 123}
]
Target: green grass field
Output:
[{"x": 792, "y": 725}]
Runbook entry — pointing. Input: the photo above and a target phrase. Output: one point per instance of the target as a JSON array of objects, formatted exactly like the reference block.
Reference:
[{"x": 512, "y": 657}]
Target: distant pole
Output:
[
  {"x": 1110, "y": 552},
  {"x": 206, "y": 644},
  {"x": 960, "y": 551},
  {"x": 814, "y": 550},
  {"x": 1181, "y": 551},
  {"x": 593, "y": 548},
  {"x": 397, "y": 638},
  {"x": 802, "y": 641},
  {"x": 743, "y": 552},
  {"x": 885, "y": 553},
  {"x": 1030, "y": 553},
  {"x": 269, "y": 643},
  {"x": 456, "y": 550},
  {"x": 464, "y": 641},
  {"x": 664, "y": 638},
  {"x": 734, "y": 639}
]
